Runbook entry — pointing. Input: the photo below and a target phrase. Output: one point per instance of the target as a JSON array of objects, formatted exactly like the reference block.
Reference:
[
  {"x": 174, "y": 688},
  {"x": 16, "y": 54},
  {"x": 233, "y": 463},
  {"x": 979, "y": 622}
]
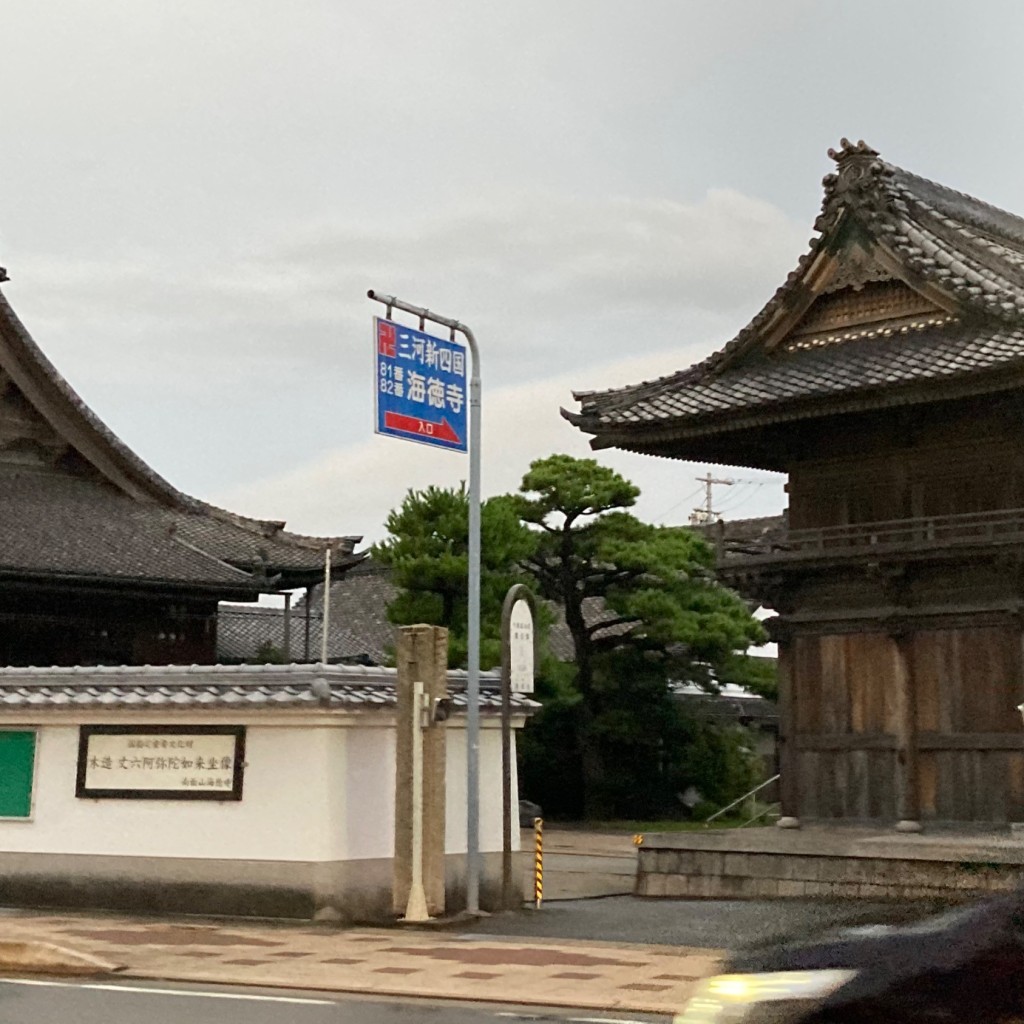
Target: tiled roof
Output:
[
  {"x": 359, "y": 628},
  {"x": 259, "y": 548},
  {"x": 55, "y": 524},
  {"x": 967, "y": 255},
  {"x": 359, "y": 624},
  {"x": 262, "y": 687},
  {"x": 51, "y": 524},
  {"x": 730, "y": 703},
  {"x": 847, "y": 371},
  {"x": 242, "y": 632}
]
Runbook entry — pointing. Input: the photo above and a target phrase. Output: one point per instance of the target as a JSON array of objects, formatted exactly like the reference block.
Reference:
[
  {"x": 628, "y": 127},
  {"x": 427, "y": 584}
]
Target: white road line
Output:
[
  {"x": 573, "y": 1020},
  {"x": 184, "y": 993},
  {"x": 605, "y": 1020}
]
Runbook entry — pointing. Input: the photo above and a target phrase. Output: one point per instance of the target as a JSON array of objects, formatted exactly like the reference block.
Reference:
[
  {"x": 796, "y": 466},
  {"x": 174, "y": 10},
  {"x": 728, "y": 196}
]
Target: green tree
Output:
[
  {"x": 663, "y": 615},
  {"x": 427, "y": 549}
]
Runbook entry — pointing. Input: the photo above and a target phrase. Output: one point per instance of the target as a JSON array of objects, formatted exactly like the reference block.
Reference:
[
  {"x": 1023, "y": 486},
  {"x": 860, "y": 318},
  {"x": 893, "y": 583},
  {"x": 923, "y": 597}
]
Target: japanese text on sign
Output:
[
  {"x": 521, "y": 648},
  {"x": 420, "y": 387},
  {"x": 159, "y": 764}
]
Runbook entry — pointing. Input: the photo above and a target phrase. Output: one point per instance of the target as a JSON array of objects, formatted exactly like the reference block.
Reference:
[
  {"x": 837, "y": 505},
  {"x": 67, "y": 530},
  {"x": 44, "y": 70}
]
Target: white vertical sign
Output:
[{"x": 521, "y": 648}]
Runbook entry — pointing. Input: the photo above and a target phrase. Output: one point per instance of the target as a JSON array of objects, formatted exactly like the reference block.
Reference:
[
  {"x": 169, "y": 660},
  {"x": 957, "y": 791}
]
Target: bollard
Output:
[{"x": 538, "y": 862}]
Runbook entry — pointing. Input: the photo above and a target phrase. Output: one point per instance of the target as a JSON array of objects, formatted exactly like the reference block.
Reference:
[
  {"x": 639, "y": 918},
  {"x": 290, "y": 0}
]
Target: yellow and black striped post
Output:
[{"x": 538, "y": 862}]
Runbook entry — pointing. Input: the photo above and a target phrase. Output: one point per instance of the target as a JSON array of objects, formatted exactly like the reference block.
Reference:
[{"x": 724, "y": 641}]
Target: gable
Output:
[
  {"x": 885, "y": 306},
  {"x": 857, "y": 291},
  {"x": 911, "y": 293},
  {"x": 26, "y": 439}
]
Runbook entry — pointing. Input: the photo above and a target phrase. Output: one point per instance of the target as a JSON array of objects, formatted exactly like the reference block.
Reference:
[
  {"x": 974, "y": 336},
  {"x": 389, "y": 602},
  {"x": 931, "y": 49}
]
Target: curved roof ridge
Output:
[
  {"x": 880, "y": 195},
  {"x": 964, "y": 255},
  {"x": 136, "y": 466},
  {"x": 273, "y": 529},
  {"x": 715, "y": 361},
  {"x": 136, "y": 469},
  {"x": 964, "y": 207}
]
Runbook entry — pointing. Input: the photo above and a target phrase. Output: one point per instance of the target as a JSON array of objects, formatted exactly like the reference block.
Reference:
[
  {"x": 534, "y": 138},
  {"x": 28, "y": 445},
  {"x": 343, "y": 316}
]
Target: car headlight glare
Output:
[{"x": 722, "y": 997}]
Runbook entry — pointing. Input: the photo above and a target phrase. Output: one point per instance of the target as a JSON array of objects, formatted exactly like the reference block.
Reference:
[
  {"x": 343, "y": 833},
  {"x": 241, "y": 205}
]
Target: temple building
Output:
[
  {"x": 885, "y": 377},
  {"x": 102, "y": 561}
]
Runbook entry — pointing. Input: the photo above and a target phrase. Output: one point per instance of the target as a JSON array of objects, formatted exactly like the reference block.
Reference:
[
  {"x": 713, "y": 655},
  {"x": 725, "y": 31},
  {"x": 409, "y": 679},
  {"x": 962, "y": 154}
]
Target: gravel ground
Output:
[{"x": 707, "y": 924}]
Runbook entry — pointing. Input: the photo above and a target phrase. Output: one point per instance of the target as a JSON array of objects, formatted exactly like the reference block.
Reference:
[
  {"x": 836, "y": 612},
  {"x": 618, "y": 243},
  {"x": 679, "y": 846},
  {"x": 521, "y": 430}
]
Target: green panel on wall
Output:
[{"x": 17, "y": 756}]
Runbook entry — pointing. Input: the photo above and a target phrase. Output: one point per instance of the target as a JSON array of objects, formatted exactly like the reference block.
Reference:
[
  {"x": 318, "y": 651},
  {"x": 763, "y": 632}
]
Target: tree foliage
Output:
[
  {"x": 656, "y": 583},
  {"x": 644, "y": 610},
  {"x": 427, "y": 549}
]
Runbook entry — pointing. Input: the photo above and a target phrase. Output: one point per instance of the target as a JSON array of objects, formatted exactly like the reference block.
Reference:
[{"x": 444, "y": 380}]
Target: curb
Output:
[
  {"x": 636, "y": 1003},
  {"x": 47, "y": 958}
]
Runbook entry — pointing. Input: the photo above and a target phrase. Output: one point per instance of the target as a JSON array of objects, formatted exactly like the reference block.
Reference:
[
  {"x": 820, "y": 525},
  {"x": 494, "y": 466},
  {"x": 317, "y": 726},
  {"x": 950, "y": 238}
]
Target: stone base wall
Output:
[
  {"x": 724, "y": 874},
  {"x": 357, "y": 892}
]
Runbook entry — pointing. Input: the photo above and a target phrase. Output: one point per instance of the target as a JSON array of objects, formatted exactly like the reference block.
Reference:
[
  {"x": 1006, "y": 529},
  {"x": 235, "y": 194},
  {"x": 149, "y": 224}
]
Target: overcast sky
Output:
[{"x": 195, "y": 196}]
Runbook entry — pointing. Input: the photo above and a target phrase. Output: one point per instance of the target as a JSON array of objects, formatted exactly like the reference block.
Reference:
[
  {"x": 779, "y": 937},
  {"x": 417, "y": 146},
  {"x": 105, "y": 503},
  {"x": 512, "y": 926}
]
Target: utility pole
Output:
[{"x": 700, "y": 516}]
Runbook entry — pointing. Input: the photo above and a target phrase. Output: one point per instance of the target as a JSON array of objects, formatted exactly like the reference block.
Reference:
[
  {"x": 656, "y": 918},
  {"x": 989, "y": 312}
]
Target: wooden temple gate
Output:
[{"x": 886, "y": 379}]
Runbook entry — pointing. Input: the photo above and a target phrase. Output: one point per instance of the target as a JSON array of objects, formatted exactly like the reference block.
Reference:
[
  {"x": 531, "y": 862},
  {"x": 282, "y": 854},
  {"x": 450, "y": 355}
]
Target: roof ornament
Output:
[
  {"x": 3, "y": 274},
  {"x": 848, "y": 150},
  {"x": 856, "y": 165}
]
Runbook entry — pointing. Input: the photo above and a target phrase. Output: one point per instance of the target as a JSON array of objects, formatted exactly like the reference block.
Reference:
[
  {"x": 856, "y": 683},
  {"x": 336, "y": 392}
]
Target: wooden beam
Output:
[
  {"x": 789, "y": 771},
  {"x": 847, "y": 741},
  {"x": 907, "y": 802},
  {"x": 970, "y": 741}
]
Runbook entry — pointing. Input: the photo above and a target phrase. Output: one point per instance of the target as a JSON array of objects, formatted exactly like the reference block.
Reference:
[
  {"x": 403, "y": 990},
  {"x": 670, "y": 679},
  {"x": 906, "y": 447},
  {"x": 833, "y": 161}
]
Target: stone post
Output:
[{"x": 422, "y": 654}]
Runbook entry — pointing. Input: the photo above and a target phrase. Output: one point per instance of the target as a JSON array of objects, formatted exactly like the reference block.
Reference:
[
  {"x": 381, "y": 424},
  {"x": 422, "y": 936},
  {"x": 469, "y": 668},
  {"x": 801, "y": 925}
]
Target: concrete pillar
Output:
[{"x": 422, "y": 654}]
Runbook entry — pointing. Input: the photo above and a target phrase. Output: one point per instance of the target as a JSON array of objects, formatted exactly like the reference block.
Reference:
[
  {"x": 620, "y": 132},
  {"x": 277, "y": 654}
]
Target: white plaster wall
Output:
[
  {"x": 490, "y": 790},
  {"x": 367, "y": 780},
  {"x": 281, "y": 815},
  {"x": 311, "y": 793}
]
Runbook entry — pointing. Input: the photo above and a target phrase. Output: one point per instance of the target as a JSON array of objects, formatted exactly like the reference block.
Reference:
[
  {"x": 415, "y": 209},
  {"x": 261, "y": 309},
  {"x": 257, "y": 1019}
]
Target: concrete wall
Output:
[{"x": 759, "y": 863}]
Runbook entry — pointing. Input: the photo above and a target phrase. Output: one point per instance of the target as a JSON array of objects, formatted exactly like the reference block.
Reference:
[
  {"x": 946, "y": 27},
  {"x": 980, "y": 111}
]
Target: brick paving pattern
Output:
[{"x": 590, "y": 975}]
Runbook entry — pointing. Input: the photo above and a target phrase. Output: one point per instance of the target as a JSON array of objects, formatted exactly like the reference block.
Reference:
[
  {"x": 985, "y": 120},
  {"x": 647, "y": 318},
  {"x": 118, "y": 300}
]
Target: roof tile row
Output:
[{"x": 969, "y": 251}]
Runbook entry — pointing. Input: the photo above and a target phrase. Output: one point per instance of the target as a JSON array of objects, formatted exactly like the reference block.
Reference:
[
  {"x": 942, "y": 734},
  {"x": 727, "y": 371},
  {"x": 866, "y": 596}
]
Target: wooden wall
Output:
[
  {"x": 967, "y": 457},
  {"x": 851, "y": 730},
  {"x": 969, "y": 733},
  {"x": 53, "y": 627}
]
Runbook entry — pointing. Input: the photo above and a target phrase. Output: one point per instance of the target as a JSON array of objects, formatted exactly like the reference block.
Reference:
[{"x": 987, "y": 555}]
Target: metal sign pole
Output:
[{"x": 473, "y": 625}]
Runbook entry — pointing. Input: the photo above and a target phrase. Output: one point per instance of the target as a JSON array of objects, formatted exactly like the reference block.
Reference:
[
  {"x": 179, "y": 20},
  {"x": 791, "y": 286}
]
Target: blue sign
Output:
[{"x": 421, "y": 389}]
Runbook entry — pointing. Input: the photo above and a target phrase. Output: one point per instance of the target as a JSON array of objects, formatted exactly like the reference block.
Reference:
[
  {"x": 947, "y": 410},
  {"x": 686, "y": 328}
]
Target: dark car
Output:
[
  {"x": 965, "y": 965},
  {"x": 528, "y": 812}
]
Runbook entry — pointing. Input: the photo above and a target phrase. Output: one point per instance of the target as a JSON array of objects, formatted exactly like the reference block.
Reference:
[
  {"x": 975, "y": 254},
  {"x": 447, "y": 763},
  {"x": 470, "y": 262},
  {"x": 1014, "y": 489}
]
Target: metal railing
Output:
[
  {"x": 763, "y": 813},
  {"x": 919, "y": 533},
  {"x": 736, "y": 803}
]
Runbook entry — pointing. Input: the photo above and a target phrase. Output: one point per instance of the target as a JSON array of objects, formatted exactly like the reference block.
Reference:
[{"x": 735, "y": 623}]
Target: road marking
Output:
[
  {"x": 573, "y": 1020},
  {"x": 184, "y": 993},
  {"x": 605, "y": 1020}
]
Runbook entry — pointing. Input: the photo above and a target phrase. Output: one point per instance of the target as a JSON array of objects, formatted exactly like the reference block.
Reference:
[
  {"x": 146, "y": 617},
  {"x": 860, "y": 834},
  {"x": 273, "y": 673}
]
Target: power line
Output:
[
  {"x": 683, "y": 501},
  {"x": 746, "y": 497}
]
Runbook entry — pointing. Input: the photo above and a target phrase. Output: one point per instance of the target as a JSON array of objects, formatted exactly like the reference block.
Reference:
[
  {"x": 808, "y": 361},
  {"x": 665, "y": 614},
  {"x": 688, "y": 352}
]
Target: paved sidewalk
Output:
[{"x": 436, "y": 963}]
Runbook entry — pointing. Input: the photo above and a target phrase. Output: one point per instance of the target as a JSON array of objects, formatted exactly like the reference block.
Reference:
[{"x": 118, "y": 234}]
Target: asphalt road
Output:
[
  {"x": 704, "y": 924},
  {"x": 43, "y": 1001}
]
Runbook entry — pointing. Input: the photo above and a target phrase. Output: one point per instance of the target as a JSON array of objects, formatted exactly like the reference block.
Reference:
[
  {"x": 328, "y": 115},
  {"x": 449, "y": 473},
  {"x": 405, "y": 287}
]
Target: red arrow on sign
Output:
[{"x": 420, "y": 427}]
